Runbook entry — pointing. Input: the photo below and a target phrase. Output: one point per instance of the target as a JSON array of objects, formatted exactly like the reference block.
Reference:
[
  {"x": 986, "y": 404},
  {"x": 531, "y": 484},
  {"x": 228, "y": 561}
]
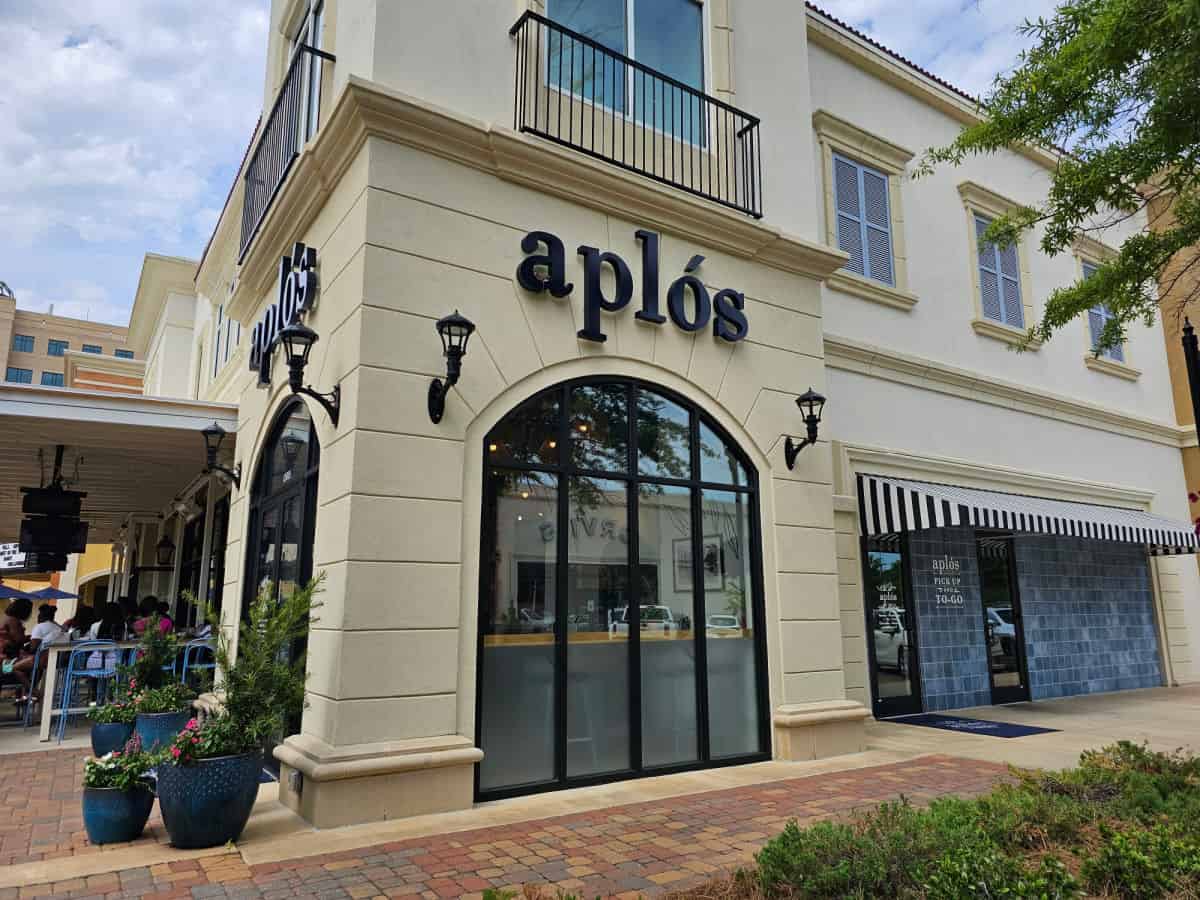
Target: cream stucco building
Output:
[{"x": 597, "y": 561}]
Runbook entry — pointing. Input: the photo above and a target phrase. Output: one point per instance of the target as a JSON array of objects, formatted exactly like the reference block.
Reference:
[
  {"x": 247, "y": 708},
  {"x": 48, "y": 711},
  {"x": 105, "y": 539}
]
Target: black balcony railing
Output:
[
  {"x": 289, "y": 125},
  {"x": 575, "y": 91}
]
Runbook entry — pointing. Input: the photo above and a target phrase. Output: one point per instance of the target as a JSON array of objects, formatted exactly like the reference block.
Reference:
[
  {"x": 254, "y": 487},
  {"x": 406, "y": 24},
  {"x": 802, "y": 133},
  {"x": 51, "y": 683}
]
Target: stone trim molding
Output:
[
  {"x": 835, "y": 134},
  {"x": 851, "y": 459},
  {"x": 319, "y": 761},
  {"x": 820, "y": 729},
  {"x": 797, "y": 715},
  {"x": 978, "y": 199},
  {"x": 1111, "y": 367},
  {"x": 1022, "y": 340},
  {"x": 365, "y": 109},
  {"x": 879, "y": 362}
]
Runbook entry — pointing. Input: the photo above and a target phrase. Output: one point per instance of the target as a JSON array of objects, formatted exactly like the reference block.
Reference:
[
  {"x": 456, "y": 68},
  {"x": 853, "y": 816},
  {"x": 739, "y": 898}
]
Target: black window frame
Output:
[{"x": 563, "y": 470}]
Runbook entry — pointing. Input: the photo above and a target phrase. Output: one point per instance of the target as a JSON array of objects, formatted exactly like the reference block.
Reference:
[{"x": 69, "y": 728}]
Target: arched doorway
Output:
[
  {"x": 621, "y": 611},
  {"x": 283, "y": 503}
]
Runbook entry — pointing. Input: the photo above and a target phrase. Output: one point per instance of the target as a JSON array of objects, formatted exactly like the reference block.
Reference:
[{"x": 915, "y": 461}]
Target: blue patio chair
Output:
[
  {"x": 78, "y": 673},
  {"x": 42, "y": 653},
  {"x": 198, "y": 655}
]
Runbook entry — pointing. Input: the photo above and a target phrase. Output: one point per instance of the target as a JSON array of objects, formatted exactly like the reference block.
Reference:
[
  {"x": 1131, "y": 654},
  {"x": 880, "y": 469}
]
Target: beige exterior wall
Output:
[{"x": 43, "y": 328}]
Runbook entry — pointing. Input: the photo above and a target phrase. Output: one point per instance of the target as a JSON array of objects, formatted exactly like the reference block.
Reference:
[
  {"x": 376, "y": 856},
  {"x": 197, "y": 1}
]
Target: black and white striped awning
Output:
[{"x": 891, "y": 505}]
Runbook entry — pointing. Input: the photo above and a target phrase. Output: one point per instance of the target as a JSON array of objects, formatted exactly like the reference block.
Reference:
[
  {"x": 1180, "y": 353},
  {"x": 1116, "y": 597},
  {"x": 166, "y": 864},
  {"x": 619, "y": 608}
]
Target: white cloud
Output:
[{"x": 120, "y": 136}]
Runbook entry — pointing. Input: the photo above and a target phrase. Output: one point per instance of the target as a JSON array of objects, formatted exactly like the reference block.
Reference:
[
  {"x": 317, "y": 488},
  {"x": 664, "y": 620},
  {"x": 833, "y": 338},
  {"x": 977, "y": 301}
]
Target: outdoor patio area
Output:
[{"x": 639, "y": 837}]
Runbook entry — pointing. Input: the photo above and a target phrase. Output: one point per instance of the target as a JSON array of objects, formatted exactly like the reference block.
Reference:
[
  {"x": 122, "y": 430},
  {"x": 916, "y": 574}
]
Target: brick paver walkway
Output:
[
  {"x": 634, "y": 850},
  {"x": 40, "y": 809}
]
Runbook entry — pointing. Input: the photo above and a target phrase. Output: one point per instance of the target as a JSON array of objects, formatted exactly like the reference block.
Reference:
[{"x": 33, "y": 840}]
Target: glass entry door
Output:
[
  {"x": 1003, "y": 631},
  {"x": 891, "y": 629}
]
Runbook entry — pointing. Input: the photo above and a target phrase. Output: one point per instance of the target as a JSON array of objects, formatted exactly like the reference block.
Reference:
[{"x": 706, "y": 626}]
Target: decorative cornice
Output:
[
  {"x": 1022, "y": 340},
  {"x": 985, "y": 199},
  {"x": 365, "y": 109},
  {"x": 877, "y": 362},
  {"x": 1089, "y": 248},
  {"x": 880, "y": 152},
  {"x": 868, "y": 289},
  {"x": 1111, "y": 367}
]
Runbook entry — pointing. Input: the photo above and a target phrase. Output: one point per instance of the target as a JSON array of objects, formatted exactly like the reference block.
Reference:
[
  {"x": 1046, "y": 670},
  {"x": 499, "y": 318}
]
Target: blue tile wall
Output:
[
  {"x": 945, "y": 582},
  {"x": 1089, "y": 616}
]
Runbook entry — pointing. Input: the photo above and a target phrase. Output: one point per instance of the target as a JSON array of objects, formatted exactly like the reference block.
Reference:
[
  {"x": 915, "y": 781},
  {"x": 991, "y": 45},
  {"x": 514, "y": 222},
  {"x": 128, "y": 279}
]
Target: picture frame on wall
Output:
[{"x": 712, "y": 563}]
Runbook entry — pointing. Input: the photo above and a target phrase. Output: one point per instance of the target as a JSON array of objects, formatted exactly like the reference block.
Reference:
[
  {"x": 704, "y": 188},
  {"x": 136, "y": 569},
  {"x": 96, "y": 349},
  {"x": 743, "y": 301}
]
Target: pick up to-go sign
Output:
[{"x": 547, "y": 271}]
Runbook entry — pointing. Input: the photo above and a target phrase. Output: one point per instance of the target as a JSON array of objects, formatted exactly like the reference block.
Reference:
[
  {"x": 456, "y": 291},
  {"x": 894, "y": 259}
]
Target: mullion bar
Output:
[
  {"x": 633, "y": 602},
  {"x": 699, "y": 621},
  {"x": 561, "y": 586}
]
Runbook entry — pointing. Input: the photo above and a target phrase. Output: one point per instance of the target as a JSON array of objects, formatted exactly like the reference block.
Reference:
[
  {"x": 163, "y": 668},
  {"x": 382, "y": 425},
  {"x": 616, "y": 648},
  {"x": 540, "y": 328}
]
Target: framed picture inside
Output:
[{"x": 712, "y": 563}]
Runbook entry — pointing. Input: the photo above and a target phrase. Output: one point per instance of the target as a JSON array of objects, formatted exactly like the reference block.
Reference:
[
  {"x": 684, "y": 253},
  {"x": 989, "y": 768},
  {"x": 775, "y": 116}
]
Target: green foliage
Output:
[
  {"x": 174, "y": 696},
  {"x": 1116, "y": 83},
  {"x": 264, "y": 685},
  {"x": 971, "y": 872},
  {"x": 156, "y": 652},
  {"x": 1142, "y": 863},
  {"x": 122, "y": 711},
  {"x": 125, "y": 769}
]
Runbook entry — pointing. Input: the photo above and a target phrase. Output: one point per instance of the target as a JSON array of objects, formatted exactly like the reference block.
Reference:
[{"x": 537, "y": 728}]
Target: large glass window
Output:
[
  {"x": 620, "y": 601},
  {"x": 23, "y": 343},
  {"x": 19, "y": 376},
  {"x": 52, "y": 379},
  {"x": 57, "y": 348}
]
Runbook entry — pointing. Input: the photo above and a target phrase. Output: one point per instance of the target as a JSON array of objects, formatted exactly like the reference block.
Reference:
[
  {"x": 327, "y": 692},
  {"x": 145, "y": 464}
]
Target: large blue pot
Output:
[
  {"x": 110, "y": 736},
  {"x": 158, "y": 730},
  {"x": 113, "y": 816},
  {"x": 207, "y": 803}
]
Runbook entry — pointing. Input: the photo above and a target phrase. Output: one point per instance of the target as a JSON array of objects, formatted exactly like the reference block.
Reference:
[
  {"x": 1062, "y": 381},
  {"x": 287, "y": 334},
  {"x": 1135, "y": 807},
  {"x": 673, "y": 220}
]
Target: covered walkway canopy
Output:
[
  {"x": 892, "y": 505},
  {"x": 132, "y": 454}
]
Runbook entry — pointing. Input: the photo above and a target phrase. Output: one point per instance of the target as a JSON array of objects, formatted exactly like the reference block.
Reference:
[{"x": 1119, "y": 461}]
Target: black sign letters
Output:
[
  {"x": 297, "y": 295},
  {"x": 547, "y": 271}
]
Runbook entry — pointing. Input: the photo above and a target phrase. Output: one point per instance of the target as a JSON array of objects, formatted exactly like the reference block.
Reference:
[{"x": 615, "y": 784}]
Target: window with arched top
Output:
[{"x": 620, "y": 619}]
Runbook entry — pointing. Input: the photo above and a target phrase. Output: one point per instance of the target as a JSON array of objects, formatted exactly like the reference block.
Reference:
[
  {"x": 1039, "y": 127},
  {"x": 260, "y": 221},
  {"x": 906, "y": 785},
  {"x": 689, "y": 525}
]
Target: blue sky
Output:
[{"x": 130, "y": 117}]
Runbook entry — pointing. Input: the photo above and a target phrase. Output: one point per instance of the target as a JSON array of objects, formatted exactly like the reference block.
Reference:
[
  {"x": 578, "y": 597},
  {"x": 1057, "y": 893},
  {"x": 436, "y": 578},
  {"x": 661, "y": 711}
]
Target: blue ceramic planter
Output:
[
  {"x": 113, "y": 816},
  {"x": 207, "y": 803},
  {"x": 157, "y": 730},
  {"x": 110, "y": 736}
]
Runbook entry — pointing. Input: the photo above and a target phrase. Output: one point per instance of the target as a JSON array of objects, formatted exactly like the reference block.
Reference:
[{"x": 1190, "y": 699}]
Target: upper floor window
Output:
[
  {"x": 1098, "y": 317},
  {"x": 310, "y": 34},
  {"x": 123, "y": 354},
  {"x": 19, "y": 376},
  {"x": 999, "y": 279},
  {"x": 52, "y": 379},
  {"x": 665, "y": 35},
  {"x": 863, "y": 219},
  {"x": 91, "y": 348},
  {"x": 23, "y": 343},
  {"x": 57, "y": 348}
]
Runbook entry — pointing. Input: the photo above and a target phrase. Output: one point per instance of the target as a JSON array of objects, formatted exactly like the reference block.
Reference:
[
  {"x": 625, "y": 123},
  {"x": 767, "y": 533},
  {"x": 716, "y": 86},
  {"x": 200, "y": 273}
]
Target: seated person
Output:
[
  {"x": 164, "y": 615},
  {"x": 79, "y": 624},
  {"x": 149, "y": 610},
  {"x": 12, "y": 639},
  {"x": 110, "y": 627},
  {"x": 44, "y": 633}
]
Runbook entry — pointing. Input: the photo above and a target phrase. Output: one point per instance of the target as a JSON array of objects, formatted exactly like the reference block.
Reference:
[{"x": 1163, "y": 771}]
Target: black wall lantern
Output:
[
  {"x": 214, "y": 434},
  {"x": 164, "y": 551},
  {"x": 811, "y": 404},
  {"x": 455, "y": 330},
  {"x": 297, "y": 340}
]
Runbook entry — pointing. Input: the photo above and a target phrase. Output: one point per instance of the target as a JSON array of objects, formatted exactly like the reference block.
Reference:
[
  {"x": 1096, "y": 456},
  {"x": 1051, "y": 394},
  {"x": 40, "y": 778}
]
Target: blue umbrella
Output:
[
  {"x": 8, "y": 593},
  {"x": 53, "y": 593}
]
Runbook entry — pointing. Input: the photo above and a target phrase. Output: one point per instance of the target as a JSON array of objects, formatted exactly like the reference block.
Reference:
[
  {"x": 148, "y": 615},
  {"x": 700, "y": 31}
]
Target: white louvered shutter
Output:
[
  {"x": 849, "y": 212},
  {"x": 1095, "y": 324},
  {"x": 877, "y": 226},
  {"x": 1010, "y": 286},
  {"x": 1098, "y": 317},
  {"x": 989, "y": 276}
]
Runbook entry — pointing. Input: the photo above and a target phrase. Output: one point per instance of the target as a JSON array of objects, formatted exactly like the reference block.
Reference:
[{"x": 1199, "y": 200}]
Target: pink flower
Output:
[
  {"x": 192, "y": 725},
  {"x": 175, "y": 752},
  {"x": 195, "y": 740}
]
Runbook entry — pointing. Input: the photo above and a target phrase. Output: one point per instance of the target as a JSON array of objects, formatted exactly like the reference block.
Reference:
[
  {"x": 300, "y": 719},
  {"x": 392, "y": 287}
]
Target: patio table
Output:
[{"x": 61, "y": 649}]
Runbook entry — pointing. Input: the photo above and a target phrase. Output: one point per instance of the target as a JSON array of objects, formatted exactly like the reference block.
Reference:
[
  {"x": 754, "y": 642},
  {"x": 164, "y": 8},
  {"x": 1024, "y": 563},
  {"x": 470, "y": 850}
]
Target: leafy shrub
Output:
[
  {"x": 122, "y": 711},
  {"x": 1141, "y": 863},
  {"x": 966, "y": 872},
  {"x": 125, "y": 770},
  {"x": 174, "y": 696}
]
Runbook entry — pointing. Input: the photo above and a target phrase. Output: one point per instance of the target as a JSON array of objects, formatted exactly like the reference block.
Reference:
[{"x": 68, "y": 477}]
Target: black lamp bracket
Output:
[
  {"x": 438, "y": 389},
  {"x": 331, "y": 402},
  {"x": 792, "y": 448},
  {"x": 234, "y": 474}
]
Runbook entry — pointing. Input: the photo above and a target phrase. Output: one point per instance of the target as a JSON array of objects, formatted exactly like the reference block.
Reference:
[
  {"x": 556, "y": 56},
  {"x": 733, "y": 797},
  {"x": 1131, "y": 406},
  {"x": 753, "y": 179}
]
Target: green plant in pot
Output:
[
  {"x": 210, "y": 776},
  {"x": 112, "y": 724},
  {"x": 118, "y": 793},
  {"x": 163, "y": 704}
]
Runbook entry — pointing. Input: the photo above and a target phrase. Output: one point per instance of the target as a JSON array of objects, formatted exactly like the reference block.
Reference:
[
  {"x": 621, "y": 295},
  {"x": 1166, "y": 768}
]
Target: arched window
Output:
[
  {"x": 283, "y": 503},
  {"x": 620, "y": 621}
]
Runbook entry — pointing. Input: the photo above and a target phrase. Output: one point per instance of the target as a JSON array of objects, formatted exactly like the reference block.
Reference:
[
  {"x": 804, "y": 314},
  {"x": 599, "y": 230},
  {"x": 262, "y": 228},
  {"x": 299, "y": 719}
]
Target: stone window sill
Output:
[
  {"x": 1006, "y": 333},
  {"x": 875, "y": 291},
  {"x": 1111, "y": 367}
]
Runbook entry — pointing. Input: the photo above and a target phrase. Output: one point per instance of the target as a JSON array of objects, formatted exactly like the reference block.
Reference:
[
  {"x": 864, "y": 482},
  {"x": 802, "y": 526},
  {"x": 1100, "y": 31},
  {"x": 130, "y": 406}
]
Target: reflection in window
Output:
[
  {"x": 663, "y": 437},
  {"x": 529, "y": 434},
  {"x": 718, "y": 460},
  {"x": 599, "y": 427}
]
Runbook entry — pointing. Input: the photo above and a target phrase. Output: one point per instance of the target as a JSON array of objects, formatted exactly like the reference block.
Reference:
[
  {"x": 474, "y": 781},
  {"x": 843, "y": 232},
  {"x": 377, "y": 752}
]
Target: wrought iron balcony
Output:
[
  {"x": 288, "y": 127},
  {"x": 576, "y": 92}
]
